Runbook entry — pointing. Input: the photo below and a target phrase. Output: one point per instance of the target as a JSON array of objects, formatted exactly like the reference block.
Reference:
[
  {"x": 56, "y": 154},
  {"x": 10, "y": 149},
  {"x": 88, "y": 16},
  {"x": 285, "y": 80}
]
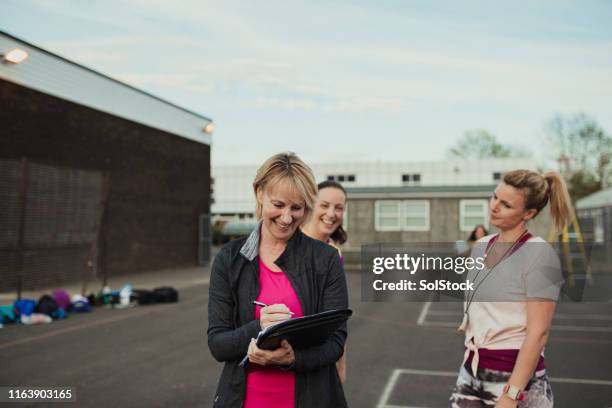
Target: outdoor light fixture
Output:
[
  {"x": 209, "y": 127},
  {"x": 14, "y": 56}
]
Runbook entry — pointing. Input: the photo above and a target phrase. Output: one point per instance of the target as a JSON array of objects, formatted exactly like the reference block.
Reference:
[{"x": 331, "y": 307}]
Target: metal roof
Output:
[
  {"x": 238, "y": 228},
  {"x": 55, "y": 75},
  {"x": 602, "y": 198},
  {"x": 422, "y": 191}
]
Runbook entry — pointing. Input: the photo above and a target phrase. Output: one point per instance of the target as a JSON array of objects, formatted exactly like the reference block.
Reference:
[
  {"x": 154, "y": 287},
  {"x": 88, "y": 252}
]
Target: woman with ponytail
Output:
[
  {"x": 325, "y": 224},
  {"x": 507, "y": 316}
]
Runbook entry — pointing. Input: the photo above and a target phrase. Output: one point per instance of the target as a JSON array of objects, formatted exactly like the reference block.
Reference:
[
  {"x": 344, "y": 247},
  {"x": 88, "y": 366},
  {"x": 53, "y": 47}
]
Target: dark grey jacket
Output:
[{"x": 317, "y": 276}]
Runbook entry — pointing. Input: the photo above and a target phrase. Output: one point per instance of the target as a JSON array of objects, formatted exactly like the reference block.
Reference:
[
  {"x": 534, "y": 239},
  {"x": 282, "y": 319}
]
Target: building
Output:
[
  {"x": 420, "y": 213},
  {"x": 438, "y": 201},
  {"x": 233, "y": 192},
  {"x": 96, "y": 177},
  {"x": 595, "y": 214}
]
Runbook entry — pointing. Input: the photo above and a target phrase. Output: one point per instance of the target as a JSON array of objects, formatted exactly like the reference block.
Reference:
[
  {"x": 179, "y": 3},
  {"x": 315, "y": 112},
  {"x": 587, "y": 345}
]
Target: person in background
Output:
[
  {"x": 503, "y": 363},
  {"x": 290, "y": 272},
  {"x": 478, "y": 232},
  {"x": 325, "y": 224}
]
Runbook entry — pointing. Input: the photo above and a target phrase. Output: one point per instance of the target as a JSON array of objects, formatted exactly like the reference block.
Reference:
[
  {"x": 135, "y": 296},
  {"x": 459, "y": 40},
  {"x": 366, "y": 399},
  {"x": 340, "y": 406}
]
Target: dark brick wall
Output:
[{"x": 158, "y": 182}]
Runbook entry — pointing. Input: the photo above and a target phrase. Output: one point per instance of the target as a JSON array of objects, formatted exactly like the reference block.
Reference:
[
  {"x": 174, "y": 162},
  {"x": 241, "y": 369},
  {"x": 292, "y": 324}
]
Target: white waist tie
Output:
[{"x": 470, "y": 346}]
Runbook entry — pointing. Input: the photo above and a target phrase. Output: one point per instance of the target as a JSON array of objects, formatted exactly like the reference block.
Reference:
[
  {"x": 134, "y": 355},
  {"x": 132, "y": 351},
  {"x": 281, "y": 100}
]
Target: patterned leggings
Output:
[{"x": 483, "y": 391}]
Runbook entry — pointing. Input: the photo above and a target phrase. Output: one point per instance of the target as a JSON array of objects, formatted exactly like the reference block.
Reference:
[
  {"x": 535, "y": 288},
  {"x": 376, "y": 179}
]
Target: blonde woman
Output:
[
  {"x": 508, "y": 316},
  {"x": 325, "y": 224},
  {"x": 294, "y": 275}
]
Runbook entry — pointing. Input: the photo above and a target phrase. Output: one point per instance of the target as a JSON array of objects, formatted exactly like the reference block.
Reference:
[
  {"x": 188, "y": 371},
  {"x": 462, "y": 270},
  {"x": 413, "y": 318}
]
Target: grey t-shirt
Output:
[{"x": 532, "y": 271}]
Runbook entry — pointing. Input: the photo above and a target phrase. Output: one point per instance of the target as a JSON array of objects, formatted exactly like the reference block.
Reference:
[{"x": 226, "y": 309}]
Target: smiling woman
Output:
[
  {"x": 295, "y": 275},
  {"x": 325, "y": 224}
]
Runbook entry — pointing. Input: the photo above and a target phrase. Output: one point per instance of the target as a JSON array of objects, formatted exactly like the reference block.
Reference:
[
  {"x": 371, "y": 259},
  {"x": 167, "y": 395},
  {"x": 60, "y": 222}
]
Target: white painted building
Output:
[{"x": 233, "y": 192}]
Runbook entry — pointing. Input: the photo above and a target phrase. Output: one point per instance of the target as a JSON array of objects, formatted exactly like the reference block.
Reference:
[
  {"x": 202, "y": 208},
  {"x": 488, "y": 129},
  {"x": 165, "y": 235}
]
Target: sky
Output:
[{"x": 347, "y": 80}]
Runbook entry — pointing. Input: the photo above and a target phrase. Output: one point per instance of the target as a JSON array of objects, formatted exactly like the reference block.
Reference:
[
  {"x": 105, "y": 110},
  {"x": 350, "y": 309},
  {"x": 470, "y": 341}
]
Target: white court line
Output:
[
  {"x": 595, "y": 329},
  {"x": 422, "y": 321},
  {"x": 444, "y": 313},
  {"x": 382, "y": 403},
  {"x": 581, "y": 316},
  {"x": 567, "y": 316},
  {"x": 399, "y": 371},
  {"x": 442, "y": 324},
  {"x": 423, "y": 314},
  {"x": 437, "y": 373}
]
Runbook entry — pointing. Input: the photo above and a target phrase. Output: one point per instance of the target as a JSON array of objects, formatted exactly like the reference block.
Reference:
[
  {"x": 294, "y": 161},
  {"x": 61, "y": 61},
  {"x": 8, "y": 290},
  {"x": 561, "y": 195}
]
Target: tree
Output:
[
  {"x": 481, "y": 144},
  {"x": 584, "y": 152}
]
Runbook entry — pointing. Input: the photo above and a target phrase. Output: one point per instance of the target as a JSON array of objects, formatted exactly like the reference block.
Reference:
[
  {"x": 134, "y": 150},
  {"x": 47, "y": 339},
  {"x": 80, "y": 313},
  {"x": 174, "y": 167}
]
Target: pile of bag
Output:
[
  {"x": 128, "y": 296},
  {"x": 164, "y": 294},
  {"x": 60, "y": 304}
]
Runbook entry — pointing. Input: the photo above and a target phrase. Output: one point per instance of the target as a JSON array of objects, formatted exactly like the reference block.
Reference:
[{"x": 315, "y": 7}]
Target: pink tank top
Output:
[{"x": 271, "y": 387}]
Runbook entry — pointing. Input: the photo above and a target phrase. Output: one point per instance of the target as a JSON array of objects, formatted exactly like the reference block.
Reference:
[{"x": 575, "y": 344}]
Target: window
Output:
[
  {"x": 415, "y": 215},
  {"x": 407, "y": 215},
  {"x": 387, "y": 215},
  {"x": 411, "y": 179},
  {"x": 497, "y": 176},
  {"x": 472, "y": 213},
  {"x": 342, "y": 177}
]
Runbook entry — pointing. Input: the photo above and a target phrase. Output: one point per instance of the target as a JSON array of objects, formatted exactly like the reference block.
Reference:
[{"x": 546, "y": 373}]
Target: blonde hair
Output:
[
  {"x": 286, "y": 167},
  {"x": 539, "y": 190}
]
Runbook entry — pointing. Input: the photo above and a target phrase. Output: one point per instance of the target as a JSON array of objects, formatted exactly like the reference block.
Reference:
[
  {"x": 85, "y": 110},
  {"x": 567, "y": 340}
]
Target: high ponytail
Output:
[
  {"x": 559, "y": 198},
  {"x": 539, "y": 190}
]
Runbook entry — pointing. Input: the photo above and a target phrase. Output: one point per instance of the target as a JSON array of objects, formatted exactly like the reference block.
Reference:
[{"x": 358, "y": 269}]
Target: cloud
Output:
[
  {"x": 365, "y": 104},
  {"x": 289, "y": 104},
  {"x": 263, "y": 56}
]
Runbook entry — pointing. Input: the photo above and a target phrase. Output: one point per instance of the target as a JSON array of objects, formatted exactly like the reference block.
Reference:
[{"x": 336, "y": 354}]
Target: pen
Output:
[{"x": 262, "y": 304}]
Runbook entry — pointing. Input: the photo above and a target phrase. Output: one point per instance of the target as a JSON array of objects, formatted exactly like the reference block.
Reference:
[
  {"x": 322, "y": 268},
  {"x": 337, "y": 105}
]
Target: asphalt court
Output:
[
  {"x": 156, "y": 356},
  {"x": 577, "y": 356}
]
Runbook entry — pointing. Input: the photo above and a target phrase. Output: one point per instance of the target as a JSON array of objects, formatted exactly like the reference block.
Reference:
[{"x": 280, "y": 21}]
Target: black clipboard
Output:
[{"x": 302, "y": 332}]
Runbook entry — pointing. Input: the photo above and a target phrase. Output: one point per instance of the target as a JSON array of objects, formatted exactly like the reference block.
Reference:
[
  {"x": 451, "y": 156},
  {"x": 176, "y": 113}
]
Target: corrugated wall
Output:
[
  {"x": 48, "y": 219},
  {"x": 158, "y": 183}
]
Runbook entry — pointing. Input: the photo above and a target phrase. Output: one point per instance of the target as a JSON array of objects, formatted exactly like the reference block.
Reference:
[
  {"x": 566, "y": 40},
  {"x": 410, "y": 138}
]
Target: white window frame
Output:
[
  {"x": 463, "y": 213},
  {"x": 377, "y": 214},
  {"x": 427, "y": 225}
]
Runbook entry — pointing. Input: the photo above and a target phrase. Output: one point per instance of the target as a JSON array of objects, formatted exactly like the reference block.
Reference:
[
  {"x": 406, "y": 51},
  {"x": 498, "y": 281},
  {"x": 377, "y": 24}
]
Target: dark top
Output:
[{"x": 315, "y": 272}]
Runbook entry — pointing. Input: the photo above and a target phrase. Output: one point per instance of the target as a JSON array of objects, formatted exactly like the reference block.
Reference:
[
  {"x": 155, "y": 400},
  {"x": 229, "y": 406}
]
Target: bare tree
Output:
[
  {"x": 480, "y": 144},
  {"x": 584, "y": 152}
]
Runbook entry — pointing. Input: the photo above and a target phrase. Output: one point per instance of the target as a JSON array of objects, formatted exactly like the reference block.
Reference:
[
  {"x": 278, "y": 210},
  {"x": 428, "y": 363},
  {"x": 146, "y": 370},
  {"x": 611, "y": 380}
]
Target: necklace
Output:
[{"x": 519, "y": 241}]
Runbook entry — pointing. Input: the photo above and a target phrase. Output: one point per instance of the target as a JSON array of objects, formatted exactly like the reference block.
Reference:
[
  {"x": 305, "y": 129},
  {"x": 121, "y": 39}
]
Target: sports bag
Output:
[{"x": 165, "y": 294}]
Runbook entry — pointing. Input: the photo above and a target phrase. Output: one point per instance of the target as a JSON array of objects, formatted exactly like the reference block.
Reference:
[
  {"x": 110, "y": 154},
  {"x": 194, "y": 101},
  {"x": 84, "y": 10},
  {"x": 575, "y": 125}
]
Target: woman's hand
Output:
[
  {"x": 283, "y": 355},
  {"x": 506, "y": 402},
  {"x": 273, "y": 314}
]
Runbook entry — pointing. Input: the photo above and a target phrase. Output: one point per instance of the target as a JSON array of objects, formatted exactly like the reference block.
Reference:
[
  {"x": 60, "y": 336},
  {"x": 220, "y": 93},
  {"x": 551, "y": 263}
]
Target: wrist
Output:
[
  {"x": 506, "y": 402},
  {"x": 288, "y": 363}
]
